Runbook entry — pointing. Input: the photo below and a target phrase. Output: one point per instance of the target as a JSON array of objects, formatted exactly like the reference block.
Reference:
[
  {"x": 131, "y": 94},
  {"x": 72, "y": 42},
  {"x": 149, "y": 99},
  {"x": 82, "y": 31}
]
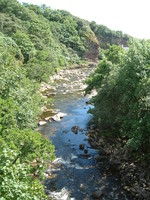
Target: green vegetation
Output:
[
  {"x": 20, "y": 146},
  {"x": 37, "y": 41},
  {"x": 122, "y": 105},
  {"x": 107, "y": 36},
  {"x": 48, "y": 39},
  {"x": 23, "y": 152}
]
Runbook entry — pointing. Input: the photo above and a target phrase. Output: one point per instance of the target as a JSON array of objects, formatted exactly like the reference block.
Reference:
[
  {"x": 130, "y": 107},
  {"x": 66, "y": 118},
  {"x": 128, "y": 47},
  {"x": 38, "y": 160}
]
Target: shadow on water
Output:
[{"x": 75, "y": 174}]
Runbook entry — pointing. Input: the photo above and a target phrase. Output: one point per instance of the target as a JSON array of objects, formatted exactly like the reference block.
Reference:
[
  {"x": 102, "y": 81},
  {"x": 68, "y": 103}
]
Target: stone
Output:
[
  {"x": 45, "y": 87},
  {"x": 87, "y": 103},
  {"x": 50, "y": 94},
  {"x": 84, "y": 156},
  {"x": 58, "y": 116},
  {"x": 47, "y": 118},
  {"x": 101, "y": 141},
  {"x": 85, "y": 151},
  {"x": 80, "y": 129},
  {"x": 41, "y": 123},
  {"x": 81, "y": 146},
  {"x": 61, "y": 115},
  {"x": 83, "y": 187},
  {"x": 50, "y": 120},
  {"x": 98, "y": 194},
  {"x": 46, "y": 175},
  {"x": 43, "y": 109},
  {"x": 75, "y": 129}
]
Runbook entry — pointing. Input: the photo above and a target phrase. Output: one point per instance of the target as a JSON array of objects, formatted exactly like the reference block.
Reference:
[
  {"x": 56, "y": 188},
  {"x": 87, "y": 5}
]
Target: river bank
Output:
[
  {"x": 116, "y": 160},
  {"x": 76, "y": 173}
]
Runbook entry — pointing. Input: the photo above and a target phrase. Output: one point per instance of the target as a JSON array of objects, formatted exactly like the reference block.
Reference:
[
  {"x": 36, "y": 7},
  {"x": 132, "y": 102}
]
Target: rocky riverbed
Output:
[
  {"x": 80, "y": 170},
  {"x": 69, "y": 82},
  {"x": 116, "y": 160}
]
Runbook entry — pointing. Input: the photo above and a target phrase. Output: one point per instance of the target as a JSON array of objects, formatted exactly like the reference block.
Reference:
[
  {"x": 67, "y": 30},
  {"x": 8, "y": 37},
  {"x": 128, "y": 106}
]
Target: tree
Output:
[
  {"x": 25, "y": 44},
  {"x": 122, "y": 105},
  {"x": 114, "y": 53}
]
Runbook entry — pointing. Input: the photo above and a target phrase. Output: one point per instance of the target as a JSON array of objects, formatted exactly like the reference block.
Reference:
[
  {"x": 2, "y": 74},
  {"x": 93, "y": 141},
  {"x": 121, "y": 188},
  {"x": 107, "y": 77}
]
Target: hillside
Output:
[
  {"x": 47, "y": 38},
  {"x": 51, "y": 39},
  {"x": 107, "y": 36},
  {"x": 35, "y": 42}
]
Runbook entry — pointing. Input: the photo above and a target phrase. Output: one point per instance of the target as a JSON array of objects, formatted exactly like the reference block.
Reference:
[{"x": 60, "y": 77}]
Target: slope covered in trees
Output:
[
  {"x": 20, "y": 145},
  {"x": 51, "y": 39},
  {"x": 122, "y": 105}
]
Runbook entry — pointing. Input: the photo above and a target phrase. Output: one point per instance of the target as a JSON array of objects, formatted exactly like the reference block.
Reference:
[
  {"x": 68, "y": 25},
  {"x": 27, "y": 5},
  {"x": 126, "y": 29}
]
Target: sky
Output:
[{"x": 129, "y": 16}]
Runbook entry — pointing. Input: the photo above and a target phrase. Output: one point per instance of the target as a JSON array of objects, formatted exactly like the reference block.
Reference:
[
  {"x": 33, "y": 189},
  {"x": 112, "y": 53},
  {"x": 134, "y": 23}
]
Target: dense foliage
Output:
[
  {"x": 50, "y": 39},
  {"x": 23, "y": 152},
  {"x": 122, "y": 105},
  {"x": 35, "y": 41},
  {"x": 19, "y": 144}
]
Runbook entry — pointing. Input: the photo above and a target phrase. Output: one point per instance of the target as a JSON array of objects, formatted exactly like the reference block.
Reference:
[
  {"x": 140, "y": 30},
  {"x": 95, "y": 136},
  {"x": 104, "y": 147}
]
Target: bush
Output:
[
  {"x": 23, "y": 158},
  {"x": 16, "y": 180}
]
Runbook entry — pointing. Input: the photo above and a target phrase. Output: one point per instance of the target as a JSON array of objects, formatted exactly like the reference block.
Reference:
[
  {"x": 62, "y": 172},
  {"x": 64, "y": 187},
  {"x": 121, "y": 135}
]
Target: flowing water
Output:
[{"x": 74, "y": 174}]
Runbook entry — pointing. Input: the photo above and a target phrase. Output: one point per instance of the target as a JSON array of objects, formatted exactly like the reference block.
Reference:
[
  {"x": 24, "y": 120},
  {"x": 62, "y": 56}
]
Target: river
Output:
[{"x": 76, "y": 173}]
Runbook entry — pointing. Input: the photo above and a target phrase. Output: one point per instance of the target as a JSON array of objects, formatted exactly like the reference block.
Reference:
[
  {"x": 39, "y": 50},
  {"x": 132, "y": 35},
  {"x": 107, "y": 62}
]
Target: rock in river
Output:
[
  {"x": 81, "y": 146},
  {"x": 41, "y": 123},
  {"x": 59, "y": 116},
  {"x": 75, "y": 129},
  {"x": 85, "y": 151},
  {"x": 98, "y": 194}
]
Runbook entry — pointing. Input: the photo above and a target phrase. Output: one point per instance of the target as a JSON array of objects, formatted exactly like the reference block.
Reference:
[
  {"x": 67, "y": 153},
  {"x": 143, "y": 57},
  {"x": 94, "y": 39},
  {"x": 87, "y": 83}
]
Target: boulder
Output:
[
  {"x": 81, "y": 146},
  {"x": 56, "y": 118},
  {"x": 75, "y": 129},
  {"x": 41, "y": 123},
  {"x": 85, "y": 151},
  {"x": 47, "y": 118},
  {"x": 98, "y": 194},
  {"x": 59, "y": 116}
]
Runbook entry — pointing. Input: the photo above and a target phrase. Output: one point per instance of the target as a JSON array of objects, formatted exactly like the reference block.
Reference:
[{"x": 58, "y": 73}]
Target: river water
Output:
[{"x": 75, "y": 175}]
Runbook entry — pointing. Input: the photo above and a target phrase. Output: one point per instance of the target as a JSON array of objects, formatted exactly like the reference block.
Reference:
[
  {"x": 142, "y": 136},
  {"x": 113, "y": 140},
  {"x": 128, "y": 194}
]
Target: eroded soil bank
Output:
[{"x": 78, "y": 171}]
